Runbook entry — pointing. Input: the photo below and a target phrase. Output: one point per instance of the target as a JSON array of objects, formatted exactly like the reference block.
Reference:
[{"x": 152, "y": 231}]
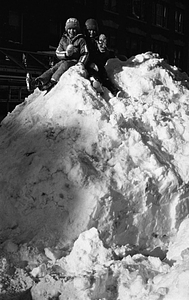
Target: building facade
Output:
[{"x": 30, "y": 32}]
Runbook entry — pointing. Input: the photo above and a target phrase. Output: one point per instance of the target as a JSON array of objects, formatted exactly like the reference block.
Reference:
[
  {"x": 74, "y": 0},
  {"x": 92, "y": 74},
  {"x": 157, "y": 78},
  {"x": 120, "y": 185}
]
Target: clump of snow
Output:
[
  {"x": 179, "y": 245},
  {"x": 93, "y": 274},
  {"x": 88, "y": 251},
  {"x": 94, "y": 189}
]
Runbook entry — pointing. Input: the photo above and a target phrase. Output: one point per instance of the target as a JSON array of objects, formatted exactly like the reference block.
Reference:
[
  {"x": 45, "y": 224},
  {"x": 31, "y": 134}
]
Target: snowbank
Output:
[{"x": 115, "y": 168}]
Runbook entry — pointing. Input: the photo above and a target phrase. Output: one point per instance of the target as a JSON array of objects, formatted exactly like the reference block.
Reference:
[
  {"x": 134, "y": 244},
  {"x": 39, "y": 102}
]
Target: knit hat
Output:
[
  {"x": 91, "y": 24},
  {"x": 72, "y": 23}
]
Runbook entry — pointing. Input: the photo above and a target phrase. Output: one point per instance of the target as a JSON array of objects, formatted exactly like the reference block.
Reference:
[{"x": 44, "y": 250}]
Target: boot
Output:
[
  {"x": 32, "y": 83},
  {"x": 47, "y": 87}
]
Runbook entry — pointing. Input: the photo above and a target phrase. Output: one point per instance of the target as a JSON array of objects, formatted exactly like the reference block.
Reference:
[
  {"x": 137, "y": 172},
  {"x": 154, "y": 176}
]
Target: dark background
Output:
[{"x": 30, "y": 32}]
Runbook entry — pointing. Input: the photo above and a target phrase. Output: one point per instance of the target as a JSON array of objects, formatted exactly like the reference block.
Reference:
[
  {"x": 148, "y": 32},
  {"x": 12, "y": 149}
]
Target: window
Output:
[
  {"x": 110, "y": 5},
  {"x": 15, "y": 27},
  {"x": 178, "y": 55},
  {"x": 138, "y": 9},
  {"x": 112, "y": 40},
  {"x": 160, "y": 14},
  {"x": 160, "y": 48},
  {"x": 134, "y": 45},
  {"x": 111, "y": 34},
  {"x": 179, "y": 21}
]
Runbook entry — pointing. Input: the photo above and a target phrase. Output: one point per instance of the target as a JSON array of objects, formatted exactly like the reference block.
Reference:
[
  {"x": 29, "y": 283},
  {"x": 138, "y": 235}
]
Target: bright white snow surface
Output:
[{"x": 110, "y": 174}]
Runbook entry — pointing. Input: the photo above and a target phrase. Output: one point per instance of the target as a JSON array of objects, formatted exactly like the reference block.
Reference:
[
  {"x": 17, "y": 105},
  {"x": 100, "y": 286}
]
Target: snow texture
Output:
[{"x": 98, "y": 186}]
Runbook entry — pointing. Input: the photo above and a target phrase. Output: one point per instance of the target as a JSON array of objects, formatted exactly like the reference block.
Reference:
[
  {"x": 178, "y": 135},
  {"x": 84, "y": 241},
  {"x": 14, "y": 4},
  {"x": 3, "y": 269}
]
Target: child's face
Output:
[
  {"x": 72, "y": 32},
  {"x": 92, "y": 32},
  {"x": 102, "y": 43}
]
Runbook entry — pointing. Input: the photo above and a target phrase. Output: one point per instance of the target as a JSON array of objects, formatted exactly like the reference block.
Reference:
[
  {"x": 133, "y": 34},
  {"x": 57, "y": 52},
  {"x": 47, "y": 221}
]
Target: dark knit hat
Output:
[
  {"x": 72, "y": 23},
  {"x": 91, "y": 24}
]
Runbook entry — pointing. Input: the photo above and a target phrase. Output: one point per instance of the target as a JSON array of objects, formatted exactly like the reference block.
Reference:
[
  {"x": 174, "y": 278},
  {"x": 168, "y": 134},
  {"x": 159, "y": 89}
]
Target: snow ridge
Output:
[{"x": 106, "y": 169}]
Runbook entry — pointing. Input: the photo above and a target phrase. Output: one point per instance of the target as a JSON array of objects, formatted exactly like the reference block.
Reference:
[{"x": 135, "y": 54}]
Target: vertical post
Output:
[
  {"x": 9, "y": 98},
  {"x": 20, "y": 94}
]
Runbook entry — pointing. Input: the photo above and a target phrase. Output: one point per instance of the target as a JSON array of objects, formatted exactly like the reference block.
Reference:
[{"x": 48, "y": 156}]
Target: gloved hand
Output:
[
  {"x": 69, "y": 50},
  {"x": 96, "y": 85},
  {"x": 94, "y": 67},
  {"x": 80, "y": 64}
]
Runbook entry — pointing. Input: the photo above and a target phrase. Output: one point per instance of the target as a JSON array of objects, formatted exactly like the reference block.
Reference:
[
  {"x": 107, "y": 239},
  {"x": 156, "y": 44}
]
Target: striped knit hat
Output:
[{"x": 72, "y": 23}]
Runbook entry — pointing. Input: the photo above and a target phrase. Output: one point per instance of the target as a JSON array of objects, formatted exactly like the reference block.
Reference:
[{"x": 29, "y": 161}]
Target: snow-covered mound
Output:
[
  {"x": 72, "y": 161},
  {"x": 94, "y": 274}
]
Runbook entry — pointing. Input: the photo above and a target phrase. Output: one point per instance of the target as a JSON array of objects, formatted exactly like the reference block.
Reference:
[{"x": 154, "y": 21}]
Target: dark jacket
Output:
[
  {"x": 105, "y": 55},
  {"x": 80, "y": 54},
  {"x": 93, "y": 50},
  {"x": 96, "y": 58}
]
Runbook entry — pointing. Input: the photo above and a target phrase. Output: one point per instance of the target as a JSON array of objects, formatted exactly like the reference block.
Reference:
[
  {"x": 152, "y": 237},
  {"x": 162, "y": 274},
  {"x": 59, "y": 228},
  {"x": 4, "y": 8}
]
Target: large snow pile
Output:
[{"x": 94, "y": 189}]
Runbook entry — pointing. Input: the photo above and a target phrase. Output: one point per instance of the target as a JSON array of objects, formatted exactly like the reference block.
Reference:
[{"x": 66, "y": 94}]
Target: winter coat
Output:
[
  {"x": 93, "y": 50},
  {"x": 96, "y": 58},
  {"x": 80, "y": 52},
  {"x": 105, "y": 55}
]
